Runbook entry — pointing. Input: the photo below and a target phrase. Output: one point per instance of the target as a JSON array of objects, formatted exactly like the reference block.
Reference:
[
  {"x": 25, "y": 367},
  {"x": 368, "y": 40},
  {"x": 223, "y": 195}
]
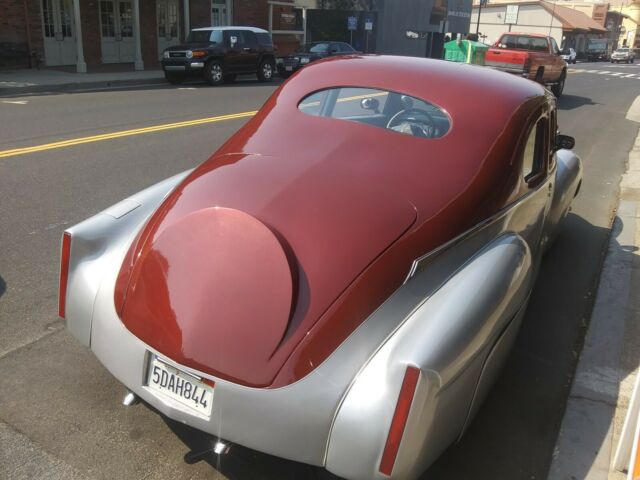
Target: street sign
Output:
[
  {"x": 352, "y": 23},
  {"x": 368, "y": 23},
  {"x": 512, "y": 14}
]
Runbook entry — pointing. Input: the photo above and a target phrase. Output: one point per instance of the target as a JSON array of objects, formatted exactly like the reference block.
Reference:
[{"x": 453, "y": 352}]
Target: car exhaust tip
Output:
[
  {"x": 221, "y": 448},
  {"x": 130, "y": 399}
]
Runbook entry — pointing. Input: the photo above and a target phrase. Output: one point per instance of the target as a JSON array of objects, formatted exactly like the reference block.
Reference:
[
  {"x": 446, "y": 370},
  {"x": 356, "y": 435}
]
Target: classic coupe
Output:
[{"x": 341, "y": 281}]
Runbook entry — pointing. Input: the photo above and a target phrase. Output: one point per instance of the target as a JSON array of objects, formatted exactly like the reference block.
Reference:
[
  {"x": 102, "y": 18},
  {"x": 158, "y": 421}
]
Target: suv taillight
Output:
[{"x": 64, "y": 273}]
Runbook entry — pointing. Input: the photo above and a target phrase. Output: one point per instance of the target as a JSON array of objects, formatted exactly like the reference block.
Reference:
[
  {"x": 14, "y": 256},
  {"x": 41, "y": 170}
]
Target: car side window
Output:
[
  {"x": 250, "y": 39},
  {"x": 539, "y": 44},
  {"x": 239, "y": 34},
  {"x": 535, "y": 151},
  {"x": 554, "y": 46}
]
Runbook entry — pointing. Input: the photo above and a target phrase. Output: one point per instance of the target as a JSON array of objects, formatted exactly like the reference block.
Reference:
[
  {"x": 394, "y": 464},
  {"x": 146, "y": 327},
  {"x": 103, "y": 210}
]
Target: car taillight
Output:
[
  {"x": 199, "y": 54},
  {"x": 64, "y": 273},
  {"x": 399, "y": 422}
]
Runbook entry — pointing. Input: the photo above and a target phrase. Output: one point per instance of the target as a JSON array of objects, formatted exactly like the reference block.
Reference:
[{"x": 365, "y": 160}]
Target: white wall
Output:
[{"x": 531, "y": 19}]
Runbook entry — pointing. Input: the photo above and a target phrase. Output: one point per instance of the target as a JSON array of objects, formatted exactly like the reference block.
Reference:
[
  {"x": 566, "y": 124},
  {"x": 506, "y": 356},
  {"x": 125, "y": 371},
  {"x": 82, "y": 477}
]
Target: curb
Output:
[
  {"x": 605, "y": 372},
  {"x": 79, "y": 86}
]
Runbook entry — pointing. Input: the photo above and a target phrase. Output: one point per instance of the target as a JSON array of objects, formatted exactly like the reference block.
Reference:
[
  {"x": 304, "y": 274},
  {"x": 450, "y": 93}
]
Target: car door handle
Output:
[{"x": 246, "y": 49}]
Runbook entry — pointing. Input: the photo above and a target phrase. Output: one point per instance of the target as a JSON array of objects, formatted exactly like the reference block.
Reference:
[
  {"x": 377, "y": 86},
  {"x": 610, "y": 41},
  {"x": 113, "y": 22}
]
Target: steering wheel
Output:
[{"x": 413, "y": 121}]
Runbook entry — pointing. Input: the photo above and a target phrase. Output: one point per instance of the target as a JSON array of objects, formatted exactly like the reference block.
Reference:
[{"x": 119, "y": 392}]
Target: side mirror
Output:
[
  {"x": 370, "y": 104},
  {"x": 233, "y": 40},
  {"x": 564, "y": 142}
]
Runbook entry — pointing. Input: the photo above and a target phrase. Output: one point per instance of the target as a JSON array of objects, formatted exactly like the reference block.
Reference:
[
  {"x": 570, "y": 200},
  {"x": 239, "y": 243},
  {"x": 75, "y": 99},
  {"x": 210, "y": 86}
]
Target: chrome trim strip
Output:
[
  {"x": 466, "y": 234},
  {"x": 175, "y": 68}
]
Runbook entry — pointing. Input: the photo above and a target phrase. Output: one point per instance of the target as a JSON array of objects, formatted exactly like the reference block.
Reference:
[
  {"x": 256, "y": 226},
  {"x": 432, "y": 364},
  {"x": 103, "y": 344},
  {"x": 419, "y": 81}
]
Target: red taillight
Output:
[
  {"x": 64, "y": 273},
  {"x": 399, "y": 422}
]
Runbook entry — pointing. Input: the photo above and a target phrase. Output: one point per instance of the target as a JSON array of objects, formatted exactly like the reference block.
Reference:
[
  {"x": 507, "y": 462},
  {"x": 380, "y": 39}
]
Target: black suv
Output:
[{"x": 219, "y": 54}]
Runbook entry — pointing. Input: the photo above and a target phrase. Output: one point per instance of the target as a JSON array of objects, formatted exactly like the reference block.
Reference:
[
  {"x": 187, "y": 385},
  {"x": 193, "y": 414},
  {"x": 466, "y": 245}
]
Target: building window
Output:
[{"x": 106, "y": 19}]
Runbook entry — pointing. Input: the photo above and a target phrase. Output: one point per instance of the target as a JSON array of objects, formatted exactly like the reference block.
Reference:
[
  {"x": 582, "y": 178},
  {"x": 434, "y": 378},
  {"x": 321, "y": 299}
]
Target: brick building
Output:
[{"x": 130, "y": 31}]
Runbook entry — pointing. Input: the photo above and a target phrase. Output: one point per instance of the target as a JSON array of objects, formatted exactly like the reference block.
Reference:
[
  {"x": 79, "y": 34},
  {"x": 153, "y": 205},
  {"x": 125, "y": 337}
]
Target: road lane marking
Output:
[
  {"x": 124, "y": 133},
  {"x": 16, "y": 102},
  {"x": 631, "y": 75},
  {"x": 617, "y": 74},
  {"x": 603, "y": 72}
]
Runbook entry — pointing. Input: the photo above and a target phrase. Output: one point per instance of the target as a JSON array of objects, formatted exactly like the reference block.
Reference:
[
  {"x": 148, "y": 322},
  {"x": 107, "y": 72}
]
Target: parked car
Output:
[
  {"x": 531, "y": 56},
  {"x": 220, "y": 53},
  {"x": 310, "y": 52},
  {"x": 598, "y": 49},
  {"x": 569, "y": 55},
  {"x": 345, "y": 274},
  {"x": 623, "y": 54}
]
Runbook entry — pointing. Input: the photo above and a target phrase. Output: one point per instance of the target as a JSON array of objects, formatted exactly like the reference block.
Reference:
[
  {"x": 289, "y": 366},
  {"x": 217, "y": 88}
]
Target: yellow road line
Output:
[
  {"x": 123, "y": 133},
  {"x": 346, "y": 99}
]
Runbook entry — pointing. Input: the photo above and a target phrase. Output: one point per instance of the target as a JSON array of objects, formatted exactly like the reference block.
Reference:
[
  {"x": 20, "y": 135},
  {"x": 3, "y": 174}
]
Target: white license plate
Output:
[
  {"x": 288, "y": 68},
  {"x": 180, "y": 386}
]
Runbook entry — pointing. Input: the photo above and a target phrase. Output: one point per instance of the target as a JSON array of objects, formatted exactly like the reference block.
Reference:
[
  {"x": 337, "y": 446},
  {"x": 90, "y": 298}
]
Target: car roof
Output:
[
  {"x": 536, "y": 35},
  {"x": 210, "y": 29}
]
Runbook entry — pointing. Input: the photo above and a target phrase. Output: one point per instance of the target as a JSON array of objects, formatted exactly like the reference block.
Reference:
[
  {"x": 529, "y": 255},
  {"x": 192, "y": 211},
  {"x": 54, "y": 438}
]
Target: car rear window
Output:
[
  {"x": 264, "y": 39},
  {"x": 379, "y": 108},
  {"x": 204, "y": 36},
  {"x": 522, "y": 42}
]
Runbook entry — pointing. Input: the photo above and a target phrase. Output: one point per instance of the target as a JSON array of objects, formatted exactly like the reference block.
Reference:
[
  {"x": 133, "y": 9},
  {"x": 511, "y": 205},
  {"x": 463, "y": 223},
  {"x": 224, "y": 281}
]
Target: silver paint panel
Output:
[{"x": 98, "y": 242}]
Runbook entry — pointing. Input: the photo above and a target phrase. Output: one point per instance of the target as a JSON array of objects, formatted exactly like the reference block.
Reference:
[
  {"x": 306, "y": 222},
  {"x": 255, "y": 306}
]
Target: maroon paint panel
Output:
[{"x": 350, "y": 205}]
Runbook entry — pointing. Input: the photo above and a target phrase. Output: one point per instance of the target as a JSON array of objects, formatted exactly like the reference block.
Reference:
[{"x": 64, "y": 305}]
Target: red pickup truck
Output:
[{"x": 536, "y": 57}]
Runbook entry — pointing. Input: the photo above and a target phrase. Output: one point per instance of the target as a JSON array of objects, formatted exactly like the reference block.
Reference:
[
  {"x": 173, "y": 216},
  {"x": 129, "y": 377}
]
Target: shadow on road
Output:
[
  {"x": 569, "y": 102},
  {"x": 515, "y": 431},
  {"x": 3, "y": 286},
  {"x": 242, "y": 463}
]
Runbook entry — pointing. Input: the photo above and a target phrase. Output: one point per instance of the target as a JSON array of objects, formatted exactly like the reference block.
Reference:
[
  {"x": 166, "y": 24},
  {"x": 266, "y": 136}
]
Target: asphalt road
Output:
[{"x": 60, "y": 410}]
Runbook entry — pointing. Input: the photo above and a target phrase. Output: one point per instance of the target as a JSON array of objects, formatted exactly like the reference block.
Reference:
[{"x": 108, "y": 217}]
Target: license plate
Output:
[
  {"x": 288, "y": 68},
  {"x": 180, "y": 386}
]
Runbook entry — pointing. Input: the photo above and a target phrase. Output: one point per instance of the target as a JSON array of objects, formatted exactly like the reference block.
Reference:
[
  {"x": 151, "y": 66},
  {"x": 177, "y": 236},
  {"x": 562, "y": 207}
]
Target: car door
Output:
[
  {"x": 558, "y": 61},
  {"x": 238, "y": 56},
  {"x": 250, "y": 51},
  {"x": 537, "y": 184}
]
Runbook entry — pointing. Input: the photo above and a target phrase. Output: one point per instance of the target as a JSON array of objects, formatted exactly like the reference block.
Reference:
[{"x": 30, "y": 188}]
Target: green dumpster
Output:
[{"x": 465, "y": 51}]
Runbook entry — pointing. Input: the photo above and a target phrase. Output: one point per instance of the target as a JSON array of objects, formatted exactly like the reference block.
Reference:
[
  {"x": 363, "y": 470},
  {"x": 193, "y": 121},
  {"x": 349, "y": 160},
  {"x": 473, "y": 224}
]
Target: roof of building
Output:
[{"x": 571, "y": 19}]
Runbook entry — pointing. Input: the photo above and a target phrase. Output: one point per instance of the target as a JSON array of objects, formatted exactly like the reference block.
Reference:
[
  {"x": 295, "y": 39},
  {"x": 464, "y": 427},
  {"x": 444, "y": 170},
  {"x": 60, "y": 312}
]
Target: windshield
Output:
[
  {"x": 315, "y": 48},
  {"x": 622, "y": 50},
  {"x": 205, "y": 36}
]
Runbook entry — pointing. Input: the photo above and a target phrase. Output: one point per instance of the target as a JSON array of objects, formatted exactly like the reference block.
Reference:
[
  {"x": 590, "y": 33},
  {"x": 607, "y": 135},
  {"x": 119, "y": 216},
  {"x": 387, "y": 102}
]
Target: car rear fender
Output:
[
  {"x": 448, "y": 338},
  {"x": 97, "y": 241},
  {"x": 568, "y": 178}
]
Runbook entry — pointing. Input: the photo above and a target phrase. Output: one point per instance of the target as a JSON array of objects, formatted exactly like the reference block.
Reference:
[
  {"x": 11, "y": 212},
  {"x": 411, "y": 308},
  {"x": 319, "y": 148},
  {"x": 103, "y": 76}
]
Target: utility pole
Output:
[{"x": 482, "y": 4}]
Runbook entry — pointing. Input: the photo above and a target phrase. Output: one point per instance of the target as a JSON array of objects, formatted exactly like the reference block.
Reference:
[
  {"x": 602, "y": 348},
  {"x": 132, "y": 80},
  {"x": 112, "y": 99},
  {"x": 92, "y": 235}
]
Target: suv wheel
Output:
[
  {"x": 174, "y": 78},
  {"x": 213, "y": 72},
  {"x": 559, "y": 87},
  {"x": 265, "y": 71}
]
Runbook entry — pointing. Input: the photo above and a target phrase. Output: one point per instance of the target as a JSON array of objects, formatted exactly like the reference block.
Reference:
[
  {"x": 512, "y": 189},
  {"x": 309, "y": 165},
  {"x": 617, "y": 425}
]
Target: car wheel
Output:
[
  {"x": 174, "y": 78},
  {"x": 265, "y": 71},
  {"x": 559, "y": 87},
  {"x": 213, "y": 72}
]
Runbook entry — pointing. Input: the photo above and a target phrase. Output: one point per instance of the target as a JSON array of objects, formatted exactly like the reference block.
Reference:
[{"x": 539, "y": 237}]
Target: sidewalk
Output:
[
  {"x": 26, "y": 81},
  {"x": 606, "y": 371}
]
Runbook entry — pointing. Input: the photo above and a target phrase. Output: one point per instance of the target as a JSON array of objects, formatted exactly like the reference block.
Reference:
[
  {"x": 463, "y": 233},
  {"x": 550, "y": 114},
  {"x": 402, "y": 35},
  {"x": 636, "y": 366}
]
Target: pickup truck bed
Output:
[{"x": 535, "y": 57}]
